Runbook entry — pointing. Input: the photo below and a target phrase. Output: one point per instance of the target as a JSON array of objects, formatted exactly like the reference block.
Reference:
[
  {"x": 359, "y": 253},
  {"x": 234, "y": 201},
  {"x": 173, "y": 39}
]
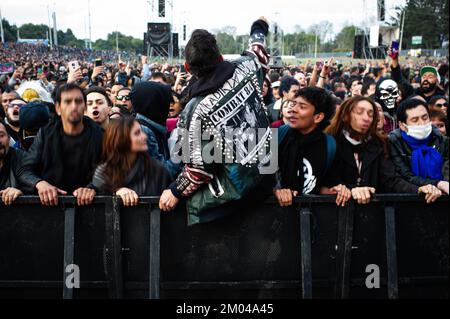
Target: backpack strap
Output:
[
  {"x": 331, "y": 150},
  {"x": 331, "y": 144},
  {"x": 282, "y": 132}
]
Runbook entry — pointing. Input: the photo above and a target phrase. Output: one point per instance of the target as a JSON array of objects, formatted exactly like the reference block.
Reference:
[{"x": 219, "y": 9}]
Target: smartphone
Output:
[
  {"x": 40, "y": 70},
  {"x": 98, "y": 62},
  {"x": 394, "y": 49},
  {"x": 73, "y": 65},
  {"x": 182, "y": 68}
]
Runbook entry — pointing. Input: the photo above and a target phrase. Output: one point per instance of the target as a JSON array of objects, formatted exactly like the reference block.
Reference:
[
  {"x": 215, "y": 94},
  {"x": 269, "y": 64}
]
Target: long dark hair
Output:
[
  {"x": 117, "y": 156},
  {"x": 342, "y": 121},
  {"x": 268, "y": 99}
]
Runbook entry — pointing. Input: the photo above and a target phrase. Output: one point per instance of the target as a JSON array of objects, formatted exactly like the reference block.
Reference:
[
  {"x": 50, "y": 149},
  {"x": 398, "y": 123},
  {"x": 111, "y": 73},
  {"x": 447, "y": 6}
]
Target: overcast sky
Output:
[{"x": 130, "y": 17}]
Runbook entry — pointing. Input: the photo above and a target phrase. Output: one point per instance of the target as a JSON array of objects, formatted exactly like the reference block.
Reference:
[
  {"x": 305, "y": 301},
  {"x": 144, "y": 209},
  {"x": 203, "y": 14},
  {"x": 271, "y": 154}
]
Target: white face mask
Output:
[{"x": 419, "y": 132}]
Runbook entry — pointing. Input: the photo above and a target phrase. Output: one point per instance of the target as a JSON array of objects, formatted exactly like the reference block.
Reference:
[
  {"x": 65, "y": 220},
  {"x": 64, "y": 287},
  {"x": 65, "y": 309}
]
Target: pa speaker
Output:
[{"x": 159, "y": 33}]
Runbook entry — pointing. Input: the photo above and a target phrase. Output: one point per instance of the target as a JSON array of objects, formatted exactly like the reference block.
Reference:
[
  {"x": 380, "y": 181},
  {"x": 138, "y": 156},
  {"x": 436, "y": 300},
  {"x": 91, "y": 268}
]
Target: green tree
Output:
[
  {"x": 10, "y": 31},
  {"x": 227, "y": 44},
  {"x": 427, "y": 18},
  {"x": 345, "y": 39},
  {"x": 242, "y": 43},
  {"x": 126, "y": 43},
  {"x": 33, "y": 31},
  {"x": 69, "y": 39},
  {"x": 302, "y": 42}
]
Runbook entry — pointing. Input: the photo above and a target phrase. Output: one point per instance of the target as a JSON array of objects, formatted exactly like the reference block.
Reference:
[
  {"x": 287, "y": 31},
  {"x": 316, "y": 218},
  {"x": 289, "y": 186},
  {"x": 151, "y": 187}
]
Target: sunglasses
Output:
[
  {"x": 439, "y": 105},
  {"x": 123, "y": 98}
]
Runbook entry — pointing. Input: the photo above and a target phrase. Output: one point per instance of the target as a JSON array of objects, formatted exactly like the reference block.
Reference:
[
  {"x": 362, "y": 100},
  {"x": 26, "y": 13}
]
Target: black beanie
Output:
[
  {"x": 152, "y": 99},
  {"x": 33, "y": 116}
]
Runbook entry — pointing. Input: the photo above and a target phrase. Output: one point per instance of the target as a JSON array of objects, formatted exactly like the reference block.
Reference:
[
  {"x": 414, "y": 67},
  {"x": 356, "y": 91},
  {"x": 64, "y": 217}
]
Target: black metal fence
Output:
[{"x": 310, "y": 250}]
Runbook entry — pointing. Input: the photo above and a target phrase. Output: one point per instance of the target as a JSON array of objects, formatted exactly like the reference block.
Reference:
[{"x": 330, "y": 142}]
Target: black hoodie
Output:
[{"x": 152, "y": 99}]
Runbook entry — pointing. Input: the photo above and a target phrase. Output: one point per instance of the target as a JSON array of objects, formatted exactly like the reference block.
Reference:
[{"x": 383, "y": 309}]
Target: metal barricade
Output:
[{"x": 312, "y": 249}]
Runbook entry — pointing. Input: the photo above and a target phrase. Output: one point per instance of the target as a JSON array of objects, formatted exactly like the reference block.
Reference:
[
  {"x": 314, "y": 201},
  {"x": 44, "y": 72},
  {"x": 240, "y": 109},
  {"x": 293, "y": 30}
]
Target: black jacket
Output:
[
  {"x": 401, "y": 156},
  {"x": 44, "y": 160},
  {"x": 145, "y": 183},
  {"x": 274, "y": 115},
  {"x": 408, "y": 90},
  {"x": 8, "y": 171},
  {"x": 376, "y": 171}
]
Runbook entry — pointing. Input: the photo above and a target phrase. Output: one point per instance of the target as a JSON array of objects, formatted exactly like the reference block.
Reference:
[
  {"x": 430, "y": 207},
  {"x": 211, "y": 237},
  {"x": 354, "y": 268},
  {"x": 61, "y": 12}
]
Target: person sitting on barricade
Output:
[
  {"x": 65, "y": 152},
  {"x": 306, "y": 154},
  {"x": 362, "y": 154},
  {"x": 418, "y": 150},
  {"x": 9, "y": 162},
  {"x": 126, "y": 168},
  {"x": 226, "y": 98}
]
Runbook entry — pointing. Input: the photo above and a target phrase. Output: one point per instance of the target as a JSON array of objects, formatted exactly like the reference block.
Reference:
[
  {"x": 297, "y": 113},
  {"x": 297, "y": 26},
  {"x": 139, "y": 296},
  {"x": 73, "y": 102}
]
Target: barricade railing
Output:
[{"x": 311, "y": 249}]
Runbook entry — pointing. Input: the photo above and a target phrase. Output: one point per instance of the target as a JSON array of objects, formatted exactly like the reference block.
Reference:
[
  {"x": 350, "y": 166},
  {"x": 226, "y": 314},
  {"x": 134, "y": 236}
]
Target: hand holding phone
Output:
[
  {"x": 394, "y": 50},
  {"x": 98, "y": 62},
  {"x": 73, "y": 65}
]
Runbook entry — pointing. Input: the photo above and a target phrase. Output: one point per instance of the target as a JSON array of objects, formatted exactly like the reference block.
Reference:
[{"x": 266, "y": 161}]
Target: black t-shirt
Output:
[
  {"x": 73, "y": 152},
  {"x": 315, "y": 172}
]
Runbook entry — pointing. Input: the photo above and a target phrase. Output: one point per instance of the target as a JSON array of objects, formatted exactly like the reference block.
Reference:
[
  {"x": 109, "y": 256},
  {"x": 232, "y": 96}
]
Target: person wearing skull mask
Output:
[
  {"x": 429, "y": 81},
  {"x": 386, "y": 94},
  {"x": 417, "y": 149}
]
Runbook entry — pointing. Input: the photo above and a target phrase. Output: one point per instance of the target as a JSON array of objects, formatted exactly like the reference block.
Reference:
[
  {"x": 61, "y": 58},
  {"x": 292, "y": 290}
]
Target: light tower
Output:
[
  {"x": 162, "y": 11},
  {"x": 276, "y": 46}
]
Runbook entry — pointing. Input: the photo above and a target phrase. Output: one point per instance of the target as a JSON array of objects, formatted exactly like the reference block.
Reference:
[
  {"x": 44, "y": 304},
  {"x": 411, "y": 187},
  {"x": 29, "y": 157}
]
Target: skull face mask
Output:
[{"x": 387, "y": 93}]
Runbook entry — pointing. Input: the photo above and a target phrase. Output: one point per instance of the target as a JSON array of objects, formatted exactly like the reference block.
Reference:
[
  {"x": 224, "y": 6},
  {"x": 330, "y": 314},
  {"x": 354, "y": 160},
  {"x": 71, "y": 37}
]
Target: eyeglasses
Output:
[
  {"x": 13, "y": 105},
  {"x": 123, "y": 97},
  {"x": 439, "y": 105}
]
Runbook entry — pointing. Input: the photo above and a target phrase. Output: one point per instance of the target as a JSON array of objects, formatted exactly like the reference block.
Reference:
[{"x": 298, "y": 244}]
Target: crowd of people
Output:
[{"x": 84, "y": 123}]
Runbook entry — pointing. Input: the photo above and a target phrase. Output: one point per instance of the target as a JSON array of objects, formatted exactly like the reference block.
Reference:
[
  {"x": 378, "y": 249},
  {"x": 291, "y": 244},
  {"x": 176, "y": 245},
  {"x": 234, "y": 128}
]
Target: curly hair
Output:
[{"x": 202, "y": 53}]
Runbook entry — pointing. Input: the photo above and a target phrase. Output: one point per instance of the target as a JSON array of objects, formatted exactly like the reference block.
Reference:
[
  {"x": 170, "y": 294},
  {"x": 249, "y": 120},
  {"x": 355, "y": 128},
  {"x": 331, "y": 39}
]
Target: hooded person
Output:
[
  {"x": 151, "y": 102},
  {"x": 32, "y": 117},
  {"x": 386, "y": 94}
]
